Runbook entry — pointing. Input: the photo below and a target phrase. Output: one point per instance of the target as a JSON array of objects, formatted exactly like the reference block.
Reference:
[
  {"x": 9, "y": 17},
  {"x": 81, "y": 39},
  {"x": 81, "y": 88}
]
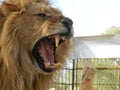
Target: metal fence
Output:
[{"x": 107, "y": 75}]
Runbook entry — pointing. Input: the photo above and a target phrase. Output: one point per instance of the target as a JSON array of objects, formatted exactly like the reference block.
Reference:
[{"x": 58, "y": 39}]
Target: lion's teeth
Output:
[
  {"x": 57, "y": 39},
  {"x": 63, "y": 38}
]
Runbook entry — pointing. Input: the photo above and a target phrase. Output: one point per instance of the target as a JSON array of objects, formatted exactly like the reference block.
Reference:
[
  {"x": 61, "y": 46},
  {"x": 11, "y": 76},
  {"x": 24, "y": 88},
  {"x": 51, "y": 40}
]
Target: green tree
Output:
[{"x": 112, "y": 30}]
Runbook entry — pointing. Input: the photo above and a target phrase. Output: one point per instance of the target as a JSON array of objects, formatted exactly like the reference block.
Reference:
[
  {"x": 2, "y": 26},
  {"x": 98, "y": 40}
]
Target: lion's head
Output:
[{"x": 33, "y": 35}]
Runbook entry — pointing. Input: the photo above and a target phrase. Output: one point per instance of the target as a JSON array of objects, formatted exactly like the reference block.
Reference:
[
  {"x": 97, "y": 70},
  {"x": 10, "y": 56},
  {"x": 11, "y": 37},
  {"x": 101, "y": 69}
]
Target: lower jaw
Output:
[{"x": 42, "y": 66}]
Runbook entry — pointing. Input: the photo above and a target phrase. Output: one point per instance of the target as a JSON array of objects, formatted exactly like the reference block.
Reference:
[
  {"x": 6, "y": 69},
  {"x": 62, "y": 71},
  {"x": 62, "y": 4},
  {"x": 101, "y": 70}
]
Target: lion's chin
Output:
[{"x": 44, "y": 52}]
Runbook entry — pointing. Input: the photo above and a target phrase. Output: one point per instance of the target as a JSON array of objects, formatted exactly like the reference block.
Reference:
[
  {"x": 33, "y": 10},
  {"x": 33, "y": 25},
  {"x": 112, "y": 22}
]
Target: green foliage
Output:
[
  {"x": 112, "y": 30},
  {"x": 107, "y": 75}
]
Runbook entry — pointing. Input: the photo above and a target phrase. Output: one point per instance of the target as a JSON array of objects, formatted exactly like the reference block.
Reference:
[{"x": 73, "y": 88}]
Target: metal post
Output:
[{"x": 73, "y": 74}]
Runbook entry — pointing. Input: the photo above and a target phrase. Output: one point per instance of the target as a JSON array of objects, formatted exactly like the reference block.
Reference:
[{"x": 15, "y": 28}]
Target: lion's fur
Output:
[
  {"x": 88, "y": 78},
  {"x": 18, "y": 69}
]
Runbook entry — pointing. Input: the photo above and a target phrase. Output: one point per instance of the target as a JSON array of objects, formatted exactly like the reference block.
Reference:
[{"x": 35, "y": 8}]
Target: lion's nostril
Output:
[{"x": 67, "y": 22}]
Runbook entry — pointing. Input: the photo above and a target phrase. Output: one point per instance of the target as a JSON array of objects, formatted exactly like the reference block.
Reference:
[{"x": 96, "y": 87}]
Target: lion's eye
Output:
[{"x": 42, "y": 15}]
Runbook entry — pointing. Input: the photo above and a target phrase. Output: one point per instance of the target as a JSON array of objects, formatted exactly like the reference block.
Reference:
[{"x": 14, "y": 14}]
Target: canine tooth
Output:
[
  {"x": 63, "y": 38},
  {"x": 57, "y": 39}
]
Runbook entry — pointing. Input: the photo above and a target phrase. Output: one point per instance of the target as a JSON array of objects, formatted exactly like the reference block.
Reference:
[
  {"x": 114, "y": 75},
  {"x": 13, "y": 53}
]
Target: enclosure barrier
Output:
[{"x": 107, "y": 75}]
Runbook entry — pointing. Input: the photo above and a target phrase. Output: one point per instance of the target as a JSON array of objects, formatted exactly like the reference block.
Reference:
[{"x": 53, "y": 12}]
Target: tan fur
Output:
[
  {"x": 19, "y": 31},
  {"x": 87, "y": 78}
]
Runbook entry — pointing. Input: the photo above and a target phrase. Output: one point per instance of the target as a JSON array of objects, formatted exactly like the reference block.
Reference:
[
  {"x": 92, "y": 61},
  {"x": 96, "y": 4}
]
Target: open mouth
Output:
[{"x": 44, "y": 52}]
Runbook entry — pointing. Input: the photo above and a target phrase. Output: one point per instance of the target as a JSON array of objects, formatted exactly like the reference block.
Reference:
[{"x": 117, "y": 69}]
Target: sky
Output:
[{"x": 91, "y": 17}]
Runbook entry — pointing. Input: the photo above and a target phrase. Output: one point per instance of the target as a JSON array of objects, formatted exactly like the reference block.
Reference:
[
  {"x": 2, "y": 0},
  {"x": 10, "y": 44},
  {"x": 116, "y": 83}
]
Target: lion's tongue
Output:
[{"x": 45, "y": 49}]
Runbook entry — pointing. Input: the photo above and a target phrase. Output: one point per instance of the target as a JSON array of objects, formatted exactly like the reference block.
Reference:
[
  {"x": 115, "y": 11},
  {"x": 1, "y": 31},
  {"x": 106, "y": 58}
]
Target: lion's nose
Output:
[{"x": 67, "y": 22}]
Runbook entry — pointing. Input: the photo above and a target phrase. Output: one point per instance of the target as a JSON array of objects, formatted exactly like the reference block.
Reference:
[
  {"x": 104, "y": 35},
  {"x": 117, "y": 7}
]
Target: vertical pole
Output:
[
  {"x": 73, "y": 74},
  {"x": 119, "y": 80},
  {"x": 76, "y": 68}
]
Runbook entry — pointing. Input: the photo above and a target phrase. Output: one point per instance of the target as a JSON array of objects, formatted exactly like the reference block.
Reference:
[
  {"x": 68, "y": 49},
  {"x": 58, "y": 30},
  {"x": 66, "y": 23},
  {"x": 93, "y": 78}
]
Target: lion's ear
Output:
[
  {"x": 14, "y": 6},
  {"x": 7, "y": 8}
]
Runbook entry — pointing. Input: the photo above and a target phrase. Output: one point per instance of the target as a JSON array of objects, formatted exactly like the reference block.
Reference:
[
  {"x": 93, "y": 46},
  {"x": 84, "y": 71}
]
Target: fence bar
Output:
[{"x": 73, "y": 74}]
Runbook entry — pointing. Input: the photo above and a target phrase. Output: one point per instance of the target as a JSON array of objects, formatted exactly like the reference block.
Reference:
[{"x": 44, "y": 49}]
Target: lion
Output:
[{"x": 34, "y": 43}]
